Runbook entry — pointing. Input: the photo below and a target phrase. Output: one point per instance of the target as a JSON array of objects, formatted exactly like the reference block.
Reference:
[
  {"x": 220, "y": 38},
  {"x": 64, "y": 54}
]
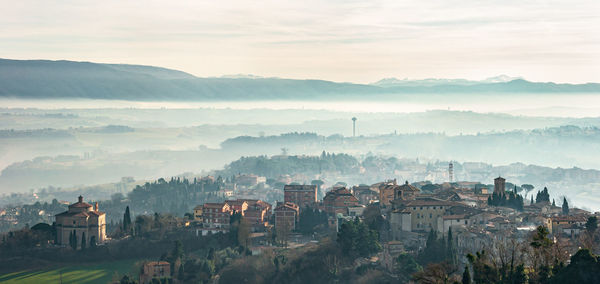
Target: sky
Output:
[{"x": 347, "y": 41}]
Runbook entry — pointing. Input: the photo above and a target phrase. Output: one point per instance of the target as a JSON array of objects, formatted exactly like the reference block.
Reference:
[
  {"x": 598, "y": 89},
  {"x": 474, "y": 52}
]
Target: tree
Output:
[
  {"x": 583, "y": 269},
  {"x": 436, "y": 273},
  {"x": 177, "y": 252},
  {"x": 406, "y": 266},
  {"x": 127, "y": 221},
  {"x": 483, "y": 269},
  {"x": 73, "y": 240},
  {"x": 93, "y": 242},
  {"x": 83, "y": 241},
  {"x": 355, "y": 237},
  {"x": 451, "y": 255},
  {"x": 542, "y": 196},
  {"x": 466, "y": 277},
  {"x": 591, "y": 225},
  {"x": 565, "y": 206}
]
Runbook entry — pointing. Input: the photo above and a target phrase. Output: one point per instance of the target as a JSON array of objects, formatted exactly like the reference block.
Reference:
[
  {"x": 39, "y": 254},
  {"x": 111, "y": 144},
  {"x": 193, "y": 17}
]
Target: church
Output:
[{"x": 85, "y": 221}]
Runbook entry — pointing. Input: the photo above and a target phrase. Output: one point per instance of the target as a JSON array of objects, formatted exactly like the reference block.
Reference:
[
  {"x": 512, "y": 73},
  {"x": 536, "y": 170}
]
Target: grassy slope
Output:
[{"x": 92, "y": 273}]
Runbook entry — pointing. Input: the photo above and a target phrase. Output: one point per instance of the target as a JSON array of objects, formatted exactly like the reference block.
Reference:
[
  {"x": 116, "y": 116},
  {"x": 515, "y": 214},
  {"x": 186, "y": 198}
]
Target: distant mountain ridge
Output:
[
  {"x": 429, "y": 82},
  {"x": 45, "y": 79}
]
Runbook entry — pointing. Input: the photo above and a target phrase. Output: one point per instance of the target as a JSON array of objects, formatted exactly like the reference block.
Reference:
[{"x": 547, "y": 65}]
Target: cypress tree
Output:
[
  {"x": 450, "y": 250},
  {"x": 127, "y": 220},
  {"x": 565, "y": 206},
  {"x": 466, "y": 277},
  {"x": 83, "y": 241}
]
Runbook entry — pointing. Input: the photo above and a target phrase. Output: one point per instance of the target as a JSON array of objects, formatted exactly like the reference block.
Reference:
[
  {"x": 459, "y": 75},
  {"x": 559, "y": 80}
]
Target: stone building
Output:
[
  {"x": 286, "y": 216},
  {"x": 406, "y": 192},
  {"x": 155, "y": 270},
  {"x": 301, "y": 195},
  {"x": 216, "y": 215},
  {"x": 365, "y": 194},
  {"x": 257, "y": 213},
  {"x": 499, "y": 185},
  {"x": 198, "y": 213},
  {"x": 83, "y": 219},
  {"x": 386, "y": 192},
  {"x": 418, "y": 215},
  {"x": 338, "y": 201},
  {"x": 390, "y": 191}
]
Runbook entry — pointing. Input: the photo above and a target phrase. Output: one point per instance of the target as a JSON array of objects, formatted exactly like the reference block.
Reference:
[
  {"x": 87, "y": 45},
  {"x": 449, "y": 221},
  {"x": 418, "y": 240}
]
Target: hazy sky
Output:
[{"x": 357, "y": 41}]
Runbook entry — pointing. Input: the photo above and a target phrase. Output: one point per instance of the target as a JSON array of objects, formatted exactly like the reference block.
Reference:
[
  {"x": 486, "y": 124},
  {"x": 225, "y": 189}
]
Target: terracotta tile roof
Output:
[
  {"x": 213, "y": 205},
  {"x": 80, "y": 205},
  {"x": 454, "y": 217}
]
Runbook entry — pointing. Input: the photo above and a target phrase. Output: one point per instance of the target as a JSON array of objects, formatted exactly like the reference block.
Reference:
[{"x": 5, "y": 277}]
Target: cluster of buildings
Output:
[
  {"x": 411, "y": 210},
  {"x": 475, "y": 224},
  {"x": 215, "y": 217}
]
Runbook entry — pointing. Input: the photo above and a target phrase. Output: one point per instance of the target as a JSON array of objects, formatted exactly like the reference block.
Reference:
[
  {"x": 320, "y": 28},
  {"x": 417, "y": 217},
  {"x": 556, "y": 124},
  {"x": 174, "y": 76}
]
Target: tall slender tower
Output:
[
  {"x": 354, "y": 127},
  {"x": 451, "y": 172}
]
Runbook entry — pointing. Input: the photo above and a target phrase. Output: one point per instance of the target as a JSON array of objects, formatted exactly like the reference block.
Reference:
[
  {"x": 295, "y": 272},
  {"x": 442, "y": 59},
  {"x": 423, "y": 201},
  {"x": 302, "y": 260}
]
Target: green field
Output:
[{"x": 92, "y": 273}]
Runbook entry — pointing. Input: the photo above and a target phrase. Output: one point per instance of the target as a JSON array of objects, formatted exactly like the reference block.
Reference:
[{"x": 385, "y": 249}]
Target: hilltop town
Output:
[{"x": 375, "y": 228}]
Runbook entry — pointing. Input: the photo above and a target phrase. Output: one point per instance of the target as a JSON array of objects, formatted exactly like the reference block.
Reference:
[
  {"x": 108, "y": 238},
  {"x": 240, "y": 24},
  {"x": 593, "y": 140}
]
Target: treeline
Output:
[
  {"x": 507, "y": 199},
  {"x": 176, "y": 196},
  {"x": 282, "y": 165}
]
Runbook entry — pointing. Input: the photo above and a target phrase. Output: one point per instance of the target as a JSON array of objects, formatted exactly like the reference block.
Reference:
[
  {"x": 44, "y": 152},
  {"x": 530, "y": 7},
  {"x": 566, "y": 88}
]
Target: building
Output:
[
  {"x": 155, "y": 270},
  {"x": 354, "y": 211},
  {"x": 386, "y": 192},
  {"x": 338, "y": 201},
  {"x": 216, "y": 215},
  {"x": 365, "y": 194},
  {"x": 424, "y": 213},
  {"x": 301, "y": 195},
  {"x": 286, "y": 216},
  {"x": 249, "y": 180},
  {"x": 257, "y": 213},
  {"x": 499, "y": 184},
  {"x": 84, "y": 220},
  {"x": 391, "y": 251},
  {"x": 198, "y": 213},
  {"x": 406, "y": 192},
  {"x": 238, "y": 205},
  {"x": 567, "y": 221},
  {"x": 390, "y": 191}
]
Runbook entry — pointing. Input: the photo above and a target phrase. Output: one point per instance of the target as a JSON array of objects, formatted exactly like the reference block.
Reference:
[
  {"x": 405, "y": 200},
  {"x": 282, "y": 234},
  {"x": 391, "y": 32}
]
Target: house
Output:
[
  {"x": 198, "y": 213},
  {"x": 85, "y": 221},
  {"x": 286, "y": 216},
  {"x": 386, "y": 192},
  {"x": 249, "y": 180},
  {"x": 356, "y": 210},
  {"x": 216, "y": 215},
  {"x": 257, "y": 213},
  {"x": 424, "y": 213},
  {"x": 566, "y": 221},
  {"x": 155, "y": 270},
  {"x": 301, "y": 195},
  {"x": 365, "y": 194},
  {"x": 237, "y": 205},
  {"x": 338, "y": 201}
]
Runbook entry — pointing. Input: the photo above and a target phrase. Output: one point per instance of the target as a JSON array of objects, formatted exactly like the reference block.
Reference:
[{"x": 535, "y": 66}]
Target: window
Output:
[
  {"x": 430, "y": 215},
  {"x": 421, "y": 207}
]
